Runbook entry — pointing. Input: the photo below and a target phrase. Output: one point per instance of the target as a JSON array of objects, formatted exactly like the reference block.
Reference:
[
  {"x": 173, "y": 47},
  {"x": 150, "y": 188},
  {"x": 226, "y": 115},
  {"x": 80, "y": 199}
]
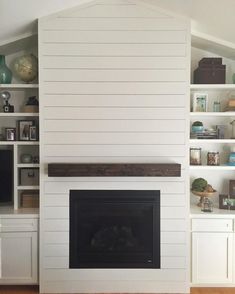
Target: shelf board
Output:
[
  {"x": 18, "y": 86},
  {"x": 11, "y": 114},
  {"x": 211, "y": 168},
  {"x": 19, "y": 143},
  {"x": 226, "y": 113},
  {"x": 212, "y": 141},
  {"x": 212, "y": 86},
  {"x": 28, "y": 165},
  {"x": 27, "y": 187}
]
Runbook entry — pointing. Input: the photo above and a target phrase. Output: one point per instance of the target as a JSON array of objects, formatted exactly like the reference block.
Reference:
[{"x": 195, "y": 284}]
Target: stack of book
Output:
[{"x": 206, "y": 134}]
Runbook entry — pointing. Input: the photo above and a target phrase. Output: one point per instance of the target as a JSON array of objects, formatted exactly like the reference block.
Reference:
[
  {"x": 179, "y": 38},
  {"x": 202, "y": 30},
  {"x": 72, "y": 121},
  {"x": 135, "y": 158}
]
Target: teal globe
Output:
[{"x": 26, "y": 68}]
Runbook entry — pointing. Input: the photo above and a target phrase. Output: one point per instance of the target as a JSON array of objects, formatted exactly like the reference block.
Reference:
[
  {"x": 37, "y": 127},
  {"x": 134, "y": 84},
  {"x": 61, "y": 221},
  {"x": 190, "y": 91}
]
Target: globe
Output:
[{"x": 26, "y": 67}]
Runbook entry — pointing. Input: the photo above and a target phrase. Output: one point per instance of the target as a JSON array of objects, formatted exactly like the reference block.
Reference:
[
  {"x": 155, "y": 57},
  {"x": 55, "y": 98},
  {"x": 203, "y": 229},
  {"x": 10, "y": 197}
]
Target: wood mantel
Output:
[{"x": 114, "y": 170}]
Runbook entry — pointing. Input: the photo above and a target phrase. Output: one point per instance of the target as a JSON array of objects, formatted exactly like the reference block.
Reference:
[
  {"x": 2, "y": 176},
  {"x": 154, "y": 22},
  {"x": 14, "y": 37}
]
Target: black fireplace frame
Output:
[{"x": 141, "y": 196}]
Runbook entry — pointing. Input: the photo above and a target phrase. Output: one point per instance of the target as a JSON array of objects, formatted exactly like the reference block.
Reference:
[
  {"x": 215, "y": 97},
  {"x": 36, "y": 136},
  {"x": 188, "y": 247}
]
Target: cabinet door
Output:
[
  {"x": 18, "y": 259},
  {"x": 212, "y": 258}
]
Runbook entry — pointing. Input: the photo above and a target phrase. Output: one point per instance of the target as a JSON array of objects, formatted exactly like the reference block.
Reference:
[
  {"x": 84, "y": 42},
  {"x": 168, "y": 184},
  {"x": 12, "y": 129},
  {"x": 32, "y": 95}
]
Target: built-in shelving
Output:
[
  {"x": 27, "y": 187},
  {"x": 213, "y": 114},
  {"x": 212, "y": 86},
  {"x": 17, "y": 114},
  {"x": 212, "y": 141},
  {"x": 18, "y": 86},
  {"x": 28, "y": 165},
  {"x": 19, "y": 143},
  {"x": 212, "y": 168}
]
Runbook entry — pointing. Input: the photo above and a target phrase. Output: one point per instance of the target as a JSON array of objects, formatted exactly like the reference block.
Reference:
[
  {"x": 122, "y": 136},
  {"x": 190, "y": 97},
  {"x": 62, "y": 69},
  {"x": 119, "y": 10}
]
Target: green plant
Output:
[
  {"x": 197, "y": 124},
  {"x": 199, "y": 184}
]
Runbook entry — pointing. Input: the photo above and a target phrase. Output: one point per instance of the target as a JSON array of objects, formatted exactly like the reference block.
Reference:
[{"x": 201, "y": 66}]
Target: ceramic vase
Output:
[{"x": 5, "y": 72}]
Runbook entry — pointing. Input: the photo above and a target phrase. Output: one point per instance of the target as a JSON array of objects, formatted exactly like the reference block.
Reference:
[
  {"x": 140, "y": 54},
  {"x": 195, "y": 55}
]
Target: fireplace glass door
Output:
[{"x": 114, "y": 229}]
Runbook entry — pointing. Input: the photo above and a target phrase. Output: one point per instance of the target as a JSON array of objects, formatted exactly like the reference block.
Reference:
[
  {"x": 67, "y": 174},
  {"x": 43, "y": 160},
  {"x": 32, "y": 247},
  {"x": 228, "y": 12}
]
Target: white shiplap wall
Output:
[{"x": 114, "y": 87}]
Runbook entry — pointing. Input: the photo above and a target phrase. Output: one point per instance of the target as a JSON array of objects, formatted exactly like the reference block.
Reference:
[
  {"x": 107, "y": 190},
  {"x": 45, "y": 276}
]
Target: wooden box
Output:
[
  {"x": 210, "y": 75},
  {"x": 210, "y": 61},
  {"x": 29, "y": 199}
]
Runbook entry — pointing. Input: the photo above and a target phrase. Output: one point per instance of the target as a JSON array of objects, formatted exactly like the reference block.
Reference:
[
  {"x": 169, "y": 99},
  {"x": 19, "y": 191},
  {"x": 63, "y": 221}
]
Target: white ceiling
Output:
[{"x": 215, "y": 18}]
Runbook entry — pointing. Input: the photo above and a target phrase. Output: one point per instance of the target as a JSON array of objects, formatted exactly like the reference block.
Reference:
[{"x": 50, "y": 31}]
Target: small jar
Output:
[
  {"x": 207, "y": 205},
  {"x": 216, "y": 106},
  {"x": 195, "y": 156},
  {"x": 213, "y": 158}
]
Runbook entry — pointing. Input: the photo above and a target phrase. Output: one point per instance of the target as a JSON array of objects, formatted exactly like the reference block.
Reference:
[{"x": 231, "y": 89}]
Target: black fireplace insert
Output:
[{"x": 114, "y": 229}]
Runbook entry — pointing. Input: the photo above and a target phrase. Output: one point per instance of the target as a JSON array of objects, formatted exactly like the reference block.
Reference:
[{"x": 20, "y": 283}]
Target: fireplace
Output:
[{"x": 114, "y": 229}]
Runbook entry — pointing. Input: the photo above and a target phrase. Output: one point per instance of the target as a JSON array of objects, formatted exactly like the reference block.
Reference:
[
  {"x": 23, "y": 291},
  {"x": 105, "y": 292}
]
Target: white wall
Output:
[{"x": 114, "y": 87}]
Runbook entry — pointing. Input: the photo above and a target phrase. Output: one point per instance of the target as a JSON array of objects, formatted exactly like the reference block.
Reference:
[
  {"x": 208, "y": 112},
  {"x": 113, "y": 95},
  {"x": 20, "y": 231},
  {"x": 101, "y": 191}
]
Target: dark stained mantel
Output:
[{"x": 114, "y": 170}]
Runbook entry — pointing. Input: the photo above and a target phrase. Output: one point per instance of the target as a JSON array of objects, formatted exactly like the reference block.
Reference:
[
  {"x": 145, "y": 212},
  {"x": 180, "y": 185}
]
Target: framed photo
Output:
[
  {"x": 200, "y": 102},
  {"x": 232, "y": 188},
  {"x": 225, "y": 202},
  {"x": 33, "y": 133},
  {"x": 10, "y": 134},
  {"x": 24, "y": 129}
]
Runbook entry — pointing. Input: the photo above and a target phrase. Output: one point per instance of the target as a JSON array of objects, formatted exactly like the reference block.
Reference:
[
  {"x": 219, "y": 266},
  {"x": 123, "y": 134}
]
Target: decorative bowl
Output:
[{"x": 204, "y": 194}]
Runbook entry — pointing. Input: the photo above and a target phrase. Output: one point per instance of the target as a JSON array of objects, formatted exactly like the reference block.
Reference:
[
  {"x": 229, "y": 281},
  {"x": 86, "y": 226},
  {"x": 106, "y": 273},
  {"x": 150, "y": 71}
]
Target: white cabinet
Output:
[
  {"x": 212, "y": 251},
  {"x": 18, "y": 251}
]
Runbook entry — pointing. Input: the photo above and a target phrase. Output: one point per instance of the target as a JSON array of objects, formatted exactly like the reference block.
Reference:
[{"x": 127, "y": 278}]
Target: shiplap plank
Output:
[
  {"x": 170, "y": 187},
  {"x": 114, "y": 11},
  {"x": 110, "y": 150},
  {"x": 176, "y": 250},
  {"x": 173, "y": 262},
  {"x": 108, "y": 286},
  {"x": 166, "y": 213},
  {"x": 65, "y": 49},
  {"x": 115, "y": 274},
  {"x": 54, "y": 250},
  {"x": 173, "y": 237},
  {"x": 170, "y": 223},
  {"x": 114, "y": 100},
  {"x": 114, "y": 126},
  {"x": 63, "y": 262},
  {"x": 112, "y": 113},
  {"x": 144, "y": 180},
  {"x": 118, "y": 159},
  {"x": 118, "y": 88},
  {"x": 104, "y": 24},
  {"x": 71, "y": 138},
  {"x": 79, "y": 75},
  {"x": 166, "y": 237},
  {"x": 62, "y": 250},
  {"x": 166, "y": 200},
  {"x": 115, "y": 37},
  {"x": 62, "y": 225},
  {"x": 112, "y": 62}
]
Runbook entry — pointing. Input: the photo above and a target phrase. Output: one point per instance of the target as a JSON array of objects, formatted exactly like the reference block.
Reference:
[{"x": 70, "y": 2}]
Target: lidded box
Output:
[{"x": 210, "y": 71}]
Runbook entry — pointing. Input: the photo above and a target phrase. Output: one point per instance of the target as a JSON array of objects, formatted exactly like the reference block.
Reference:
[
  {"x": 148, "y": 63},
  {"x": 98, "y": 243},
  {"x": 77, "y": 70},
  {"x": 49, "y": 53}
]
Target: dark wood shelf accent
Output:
[{"x": 114, "y": 170}]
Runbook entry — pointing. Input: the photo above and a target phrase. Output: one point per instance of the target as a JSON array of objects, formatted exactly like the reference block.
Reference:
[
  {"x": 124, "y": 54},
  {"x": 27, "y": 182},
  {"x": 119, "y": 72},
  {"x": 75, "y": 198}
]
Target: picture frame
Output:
[
  {"x": 33, "y": 133},
  {"x": 225, "y": 202},
  {"x": 200, "y": 102},
  {"x": 232, "y": 188},
  {"x": 10, "y": 134},
  {"x": 24, "y": 129}
]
